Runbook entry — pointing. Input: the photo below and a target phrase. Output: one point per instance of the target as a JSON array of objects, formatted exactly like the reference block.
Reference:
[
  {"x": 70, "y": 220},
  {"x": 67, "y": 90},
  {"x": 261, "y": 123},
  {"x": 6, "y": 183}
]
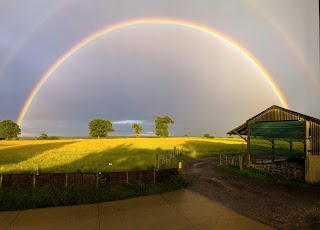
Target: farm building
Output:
[{"x": 283, "y": 132}]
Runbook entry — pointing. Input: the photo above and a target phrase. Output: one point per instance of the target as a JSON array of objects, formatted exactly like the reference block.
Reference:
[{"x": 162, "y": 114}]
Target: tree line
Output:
[{"x": 98, "y": 128}]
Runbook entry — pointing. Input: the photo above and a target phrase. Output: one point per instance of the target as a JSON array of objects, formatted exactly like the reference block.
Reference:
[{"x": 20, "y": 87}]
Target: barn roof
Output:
[{"x": 265, "y": 116}]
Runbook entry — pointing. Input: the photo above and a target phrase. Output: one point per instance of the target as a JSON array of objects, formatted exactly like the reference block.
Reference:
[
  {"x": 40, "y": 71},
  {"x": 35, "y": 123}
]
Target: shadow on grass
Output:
[
  {"x": 198, "y": 148},
  {"x": 120, "y": 158},
  {"x": 21, "y": 153}
]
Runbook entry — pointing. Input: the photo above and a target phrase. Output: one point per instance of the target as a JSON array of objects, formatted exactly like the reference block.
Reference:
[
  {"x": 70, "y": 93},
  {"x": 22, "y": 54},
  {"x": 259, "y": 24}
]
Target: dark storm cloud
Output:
[{"x": 143, "y": 72}]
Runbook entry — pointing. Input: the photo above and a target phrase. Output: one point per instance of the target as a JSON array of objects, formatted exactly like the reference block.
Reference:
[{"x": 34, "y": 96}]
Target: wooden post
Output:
[
  {"x": 157, "y": 161},
  {"x": 127, "y": 177},
  {"x": 272, "y": 142},
  {"x": 180, "y": 165},
  {"x": 174, "y": 150},
  {"x": 1, "y": 178},
  {"x": 34, "y": 180},
  {"x": 290, "y": 146},
  {"x": 307, "y": 152},
  {"x": 248, "y": 146},
  {"x": 97, "y": 178},
  {"x": 242, "y": 157},
  {"x": 154, "y": 175},
  {"x": 240, "y": 162},
  {"x": 37, "y": 169},
  {"x": 66, "y": 179}
]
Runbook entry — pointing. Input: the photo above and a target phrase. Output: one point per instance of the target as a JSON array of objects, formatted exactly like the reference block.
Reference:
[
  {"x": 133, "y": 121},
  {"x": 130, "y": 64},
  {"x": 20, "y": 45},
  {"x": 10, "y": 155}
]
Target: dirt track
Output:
[{"x": 279, "y": 206}]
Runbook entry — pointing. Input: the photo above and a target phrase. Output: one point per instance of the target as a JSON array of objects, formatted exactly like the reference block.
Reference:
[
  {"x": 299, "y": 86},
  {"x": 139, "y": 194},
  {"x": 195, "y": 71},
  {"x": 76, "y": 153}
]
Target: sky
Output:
[{"x": 136, "y": 73}]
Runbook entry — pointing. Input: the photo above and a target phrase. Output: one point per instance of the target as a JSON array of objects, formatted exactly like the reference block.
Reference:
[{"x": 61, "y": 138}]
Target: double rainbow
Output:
[{"x": 122, "y": 25}]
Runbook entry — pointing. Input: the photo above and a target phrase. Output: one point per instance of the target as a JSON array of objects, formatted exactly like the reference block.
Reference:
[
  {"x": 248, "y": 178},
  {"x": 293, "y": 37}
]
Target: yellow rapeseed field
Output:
[{"x": 97, "y": 155}]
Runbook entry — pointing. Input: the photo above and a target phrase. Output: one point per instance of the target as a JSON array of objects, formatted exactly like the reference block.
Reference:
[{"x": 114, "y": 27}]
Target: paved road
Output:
[{"x": 182, "y": 209}]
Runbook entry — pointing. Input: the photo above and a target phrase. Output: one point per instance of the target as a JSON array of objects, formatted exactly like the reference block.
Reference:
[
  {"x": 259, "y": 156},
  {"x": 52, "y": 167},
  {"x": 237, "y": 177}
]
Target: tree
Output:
[
  {"x": 137, "y": 129},
  {"x": 9, "y": 129},
  {"x": 207, "y": 135},
  {"x": 161, "y": 126},
  {"x": 43, "y": 136},
  {"x": 99, "y": 127}
]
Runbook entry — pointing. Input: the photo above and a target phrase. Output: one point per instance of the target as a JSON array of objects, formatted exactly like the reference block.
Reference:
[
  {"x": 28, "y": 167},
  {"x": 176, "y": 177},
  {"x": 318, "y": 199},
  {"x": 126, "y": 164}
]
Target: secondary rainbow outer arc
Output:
[{"x": 108, "y": 29}]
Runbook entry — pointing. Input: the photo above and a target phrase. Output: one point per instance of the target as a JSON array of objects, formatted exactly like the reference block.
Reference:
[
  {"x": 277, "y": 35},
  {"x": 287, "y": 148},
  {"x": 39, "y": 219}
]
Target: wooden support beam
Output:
[
  {"x": 272, "y": 143},
  {"x": 241, "y": 136},
  {"x": 248, "y": 146}
]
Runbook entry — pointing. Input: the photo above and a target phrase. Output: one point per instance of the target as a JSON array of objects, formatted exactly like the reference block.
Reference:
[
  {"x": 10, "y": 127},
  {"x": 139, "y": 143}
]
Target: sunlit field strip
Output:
[{"x": 95, "y": 155}]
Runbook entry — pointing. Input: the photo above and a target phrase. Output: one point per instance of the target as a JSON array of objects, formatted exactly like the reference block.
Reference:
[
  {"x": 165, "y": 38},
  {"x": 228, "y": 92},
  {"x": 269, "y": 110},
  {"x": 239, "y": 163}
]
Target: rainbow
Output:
[
  {"x": 27, "y": 37},
  {"x": 198, "y": 27},
  {"x": 288, "y": 41}
]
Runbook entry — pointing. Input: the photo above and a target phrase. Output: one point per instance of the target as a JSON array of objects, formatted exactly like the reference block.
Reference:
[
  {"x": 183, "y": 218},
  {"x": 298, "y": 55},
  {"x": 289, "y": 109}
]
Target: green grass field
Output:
[{"x": 93, "y": 155}]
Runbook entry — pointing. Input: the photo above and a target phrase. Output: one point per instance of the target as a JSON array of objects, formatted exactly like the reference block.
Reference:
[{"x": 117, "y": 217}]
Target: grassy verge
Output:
[
  {"x": 260, "y": 175},
  {"x": 19, "y": 198}
]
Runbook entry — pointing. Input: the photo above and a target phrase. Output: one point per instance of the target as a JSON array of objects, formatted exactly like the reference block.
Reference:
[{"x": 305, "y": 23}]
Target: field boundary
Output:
[{"x": 87, "y": 179}]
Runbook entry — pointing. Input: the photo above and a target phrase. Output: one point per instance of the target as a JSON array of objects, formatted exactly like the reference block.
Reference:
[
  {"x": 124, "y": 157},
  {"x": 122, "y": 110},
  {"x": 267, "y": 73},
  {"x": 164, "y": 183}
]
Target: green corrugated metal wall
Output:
[{"x": 278, "y": 130}]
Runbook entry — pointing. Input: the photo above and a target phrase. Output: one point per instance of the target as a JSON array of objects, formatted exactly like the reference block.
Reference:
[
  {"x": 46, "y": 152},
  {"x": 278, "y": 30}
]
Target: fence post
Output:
[
  {"x": 66, "y": 179},
  {"x": 127, "y": 177},
  {"x": 154, "y": 175},
  {"x": 174, "y": 150},
  {"x": 37, "y": 169},
  {"x": 34, "y": 180},
  {"x": 240, "y": 162},
  {"x": 97, "y": 179},
  {"x": 157, "y": 161},
  {"x": 1, "y": 178},
  {"x": 242, "y": 158}
]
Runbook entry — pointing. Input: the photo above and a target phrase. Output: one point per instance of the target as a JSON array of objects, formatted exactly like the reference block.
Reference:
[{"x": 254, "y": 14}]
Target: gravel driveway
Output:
[{"x": 279, "y": 206}]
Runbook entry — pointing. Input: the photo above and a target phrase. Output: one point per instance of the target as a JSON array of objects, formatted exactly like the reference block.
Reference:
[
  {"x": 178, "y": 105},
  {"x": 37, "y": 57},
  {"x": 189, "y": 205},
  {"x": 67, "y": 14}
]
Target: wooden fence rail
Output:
[{"x": 86, "y": 179}]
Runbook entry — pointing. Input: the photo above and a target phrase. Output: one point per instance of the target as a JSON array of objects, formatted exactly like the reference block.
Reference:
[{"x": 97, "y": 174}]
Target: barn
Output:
[{"x": 274, "y": 127}]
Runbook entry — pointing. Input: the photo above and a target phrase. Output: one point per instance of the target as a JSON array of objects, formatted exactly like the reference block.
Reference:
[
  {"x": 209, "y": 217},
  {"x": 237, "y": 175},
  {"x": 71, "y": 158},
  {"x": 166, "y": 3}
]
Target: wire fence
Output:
[{"x": 163, "y": 160}]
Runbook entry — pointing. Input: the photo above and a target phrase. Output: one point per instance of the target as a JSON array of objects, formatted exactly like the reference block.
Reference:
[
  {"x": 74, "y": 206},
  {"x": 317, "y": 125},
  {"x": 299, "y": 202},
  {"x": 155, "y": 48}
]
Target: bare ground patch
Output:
[{"x": 277, "y": 205}]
